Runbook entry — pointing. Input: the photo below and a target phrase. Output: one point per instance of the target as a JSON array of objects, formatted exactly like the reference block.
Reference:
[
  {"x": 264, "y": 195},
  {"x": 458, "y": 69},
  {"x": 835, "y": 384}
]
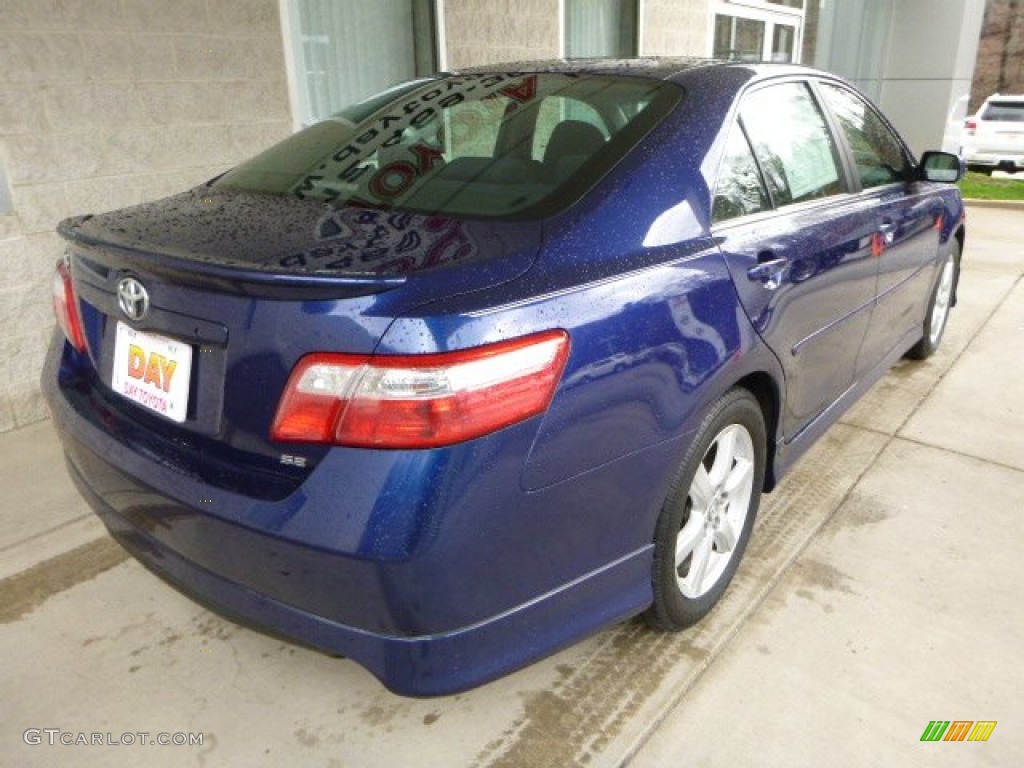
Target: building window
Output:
[
  {"x": 600, "y": 28},
  {"x": 343, "y": 52},
  {"x": 758, "y": 30}
]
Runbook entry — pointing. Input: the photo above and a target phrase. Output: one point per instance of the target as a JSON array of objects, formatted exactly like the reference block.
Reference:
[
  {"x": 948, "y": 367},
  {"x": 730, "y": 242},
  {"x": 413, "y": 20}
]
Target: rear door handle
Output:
[
  {"x": 883, "y": 238},
  {"x": 769, "y": 272}
]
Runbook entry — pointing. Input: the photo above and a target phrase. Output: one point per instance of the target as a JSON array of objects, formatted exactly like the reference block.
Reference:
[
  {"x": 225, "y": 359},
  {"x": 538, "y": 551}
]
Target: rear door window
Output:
[
  {"x": 740, "y": 190},
  {"x": 792, "y": 143},
  {"x": 877, "y": 152}
]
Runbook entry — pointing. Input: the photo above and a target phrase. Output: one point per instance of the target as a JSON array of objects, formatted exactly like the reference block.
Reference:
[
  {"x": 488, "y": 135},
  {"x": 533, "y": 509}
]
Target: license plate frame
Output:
[{"x": 152, "y": 371}]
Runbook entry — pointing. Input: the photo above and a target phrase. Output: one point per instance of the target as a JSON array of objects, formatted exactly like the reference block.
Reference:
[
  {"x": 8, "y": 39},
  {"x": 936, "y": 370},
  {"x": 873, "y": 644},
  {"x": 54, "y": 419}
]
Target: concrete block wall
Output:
[
  {"x": 106, "y": 103},
  {"x": 672, "y": 28},
  {"x": 481, "y": 32}
]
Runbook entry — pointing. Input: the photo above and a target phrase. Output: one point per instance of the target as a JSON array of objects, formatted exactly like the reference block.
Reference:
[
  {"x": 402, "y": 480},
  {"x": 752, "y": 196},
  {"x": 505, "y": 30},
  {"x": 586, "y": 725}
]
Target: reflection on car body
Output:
[{"x": 392, "y": 242}]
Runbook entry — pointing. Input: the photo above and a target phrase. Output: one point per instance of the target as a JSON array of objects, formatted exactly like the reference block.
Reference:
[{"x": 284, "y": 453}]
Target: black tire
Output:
[
  {"x": 940, "y": 303},
  {"x": 734, "y": 414}
]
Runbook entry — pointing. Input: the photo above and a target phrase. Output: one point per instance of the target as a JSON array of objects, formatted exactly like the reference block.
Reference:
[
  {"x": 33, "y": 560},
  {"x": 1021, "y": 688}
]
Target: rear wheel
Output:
[
  {"x": 706, "y": 520},
  {"x": 938, "y": 308}
]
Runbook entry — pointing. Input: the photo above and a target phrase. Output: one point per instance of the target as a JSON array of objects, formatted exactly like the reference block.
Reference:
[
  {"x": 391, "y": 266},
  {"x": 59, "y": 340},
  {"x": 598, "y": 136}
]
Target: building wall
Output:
[
  {"x": 673, "y": 28},
  {"x": 927, "y": 70},
  {"x": 491, "y": 31},
  {"x": 850, "y": 39},
  {"x": 913, "y": 61},
  {"x": 106, "y": 103}
]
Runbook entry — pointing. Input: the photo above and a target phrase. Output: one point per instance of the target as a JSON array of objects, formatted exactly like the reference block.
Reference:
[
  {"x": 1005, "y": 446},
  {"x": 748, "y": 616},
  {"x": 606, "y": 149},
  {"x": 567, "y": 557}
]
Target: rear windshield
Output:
[
  {"x": 492, "y": 145},
  {"x": 1005, "y": 111}
]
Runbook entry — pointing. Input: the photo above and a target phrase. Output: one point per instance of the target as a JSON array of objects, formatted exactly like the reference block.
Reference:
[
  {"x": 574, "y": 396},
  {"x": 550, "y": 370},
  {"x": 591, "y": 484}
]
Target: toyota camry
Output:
[{"x": 496, "y": 358}]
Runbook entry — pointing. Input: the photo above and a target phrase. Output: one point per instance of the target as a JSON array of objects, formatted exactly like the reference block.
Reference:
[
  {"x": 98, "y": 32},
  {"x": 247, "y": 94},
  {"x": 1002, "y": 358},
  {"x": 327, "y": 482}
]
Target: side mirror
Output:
[{"x": 941, "y": 166}]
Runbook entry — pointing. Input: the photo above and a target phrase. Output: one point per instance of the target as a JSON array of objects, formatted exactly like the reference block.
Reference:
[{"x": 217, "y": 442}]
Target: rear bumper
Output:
[
  {"x": 992, "y": 159},
  {"x": 426, "y": 665},
  {"x": 411, "y": 599}
]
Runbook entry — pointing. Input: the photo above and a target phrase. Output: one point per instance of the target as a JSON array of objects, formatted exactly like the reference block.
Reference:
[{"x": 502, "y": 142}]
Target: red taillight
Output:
[
  {"x": 419, "y": 401},
  {"x": 65, "y": 307},
  {"x": 970, "y": 126}
]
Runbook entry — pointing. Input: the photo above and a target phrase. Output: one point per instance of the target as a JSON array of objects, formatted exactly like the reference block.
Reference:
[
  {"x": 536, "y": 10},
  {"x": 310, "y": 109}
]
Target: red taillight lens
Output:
[
  {"x": 970, "y": 126},
  {"x": 420, "y": 401},
  {"x": 65, "y": 307}
]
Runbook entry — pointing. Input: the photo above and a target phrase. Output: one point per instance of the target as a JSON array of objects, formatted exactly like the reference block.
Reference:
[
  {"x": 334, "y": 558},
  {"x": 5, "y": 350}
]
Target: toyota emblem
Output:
[{"x": 132, "y": 298}]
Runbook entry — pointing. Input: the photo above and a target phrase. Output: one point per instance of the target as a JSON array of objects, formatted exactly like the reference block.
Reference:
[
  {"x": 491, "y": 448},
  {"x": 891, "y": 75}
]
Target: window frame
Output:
[
  {"x": 850, "y": 177},
  {"x": 849, "y": 183}
]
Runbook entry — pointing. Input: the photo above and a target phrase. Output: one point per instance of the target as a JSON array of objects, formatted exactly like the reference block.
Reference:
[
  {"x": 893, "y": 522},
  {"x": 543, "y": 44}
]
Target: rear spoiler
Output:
[{"x": 103, "y": 258}]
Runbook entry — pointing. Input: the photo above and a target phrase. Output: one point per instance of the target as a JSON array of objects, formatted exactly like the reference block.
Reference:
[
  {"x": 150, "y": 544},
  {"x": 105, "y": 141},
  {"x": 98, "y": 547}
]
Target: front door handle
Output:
[{"x": 769, "y": 272}]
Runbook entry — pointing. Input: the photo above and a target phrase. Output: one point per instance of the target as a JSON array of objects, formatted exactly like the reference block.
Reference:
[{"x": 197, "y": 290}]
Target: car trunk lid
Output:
[{"x": 239, "y": 288}]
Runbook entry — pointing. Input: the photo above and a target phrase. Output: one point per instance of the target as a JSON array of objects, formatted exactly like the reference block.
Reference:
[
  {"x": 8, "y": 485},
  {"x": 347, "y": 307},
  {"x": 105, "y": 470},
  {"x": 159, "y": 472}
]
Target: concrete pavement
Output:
[{"x": 879, "y": 593}]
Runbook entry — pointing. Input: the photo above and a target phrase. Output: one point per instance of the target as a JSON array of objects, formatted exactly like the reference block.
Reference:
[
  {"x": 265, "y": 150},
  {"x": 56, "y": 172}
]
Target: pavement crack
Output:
[
  {"x": 962, "y": 454},
  {"x": 47, "y": 532}
]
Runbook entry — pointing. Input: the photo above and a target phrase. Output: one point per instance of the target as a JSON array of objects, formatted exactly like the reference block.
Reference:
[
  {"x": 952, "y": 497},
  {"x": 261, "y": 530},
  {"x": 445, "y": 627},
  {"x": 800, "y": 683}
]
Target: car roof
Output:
[
  {"x": 673, "y": 68},
  {"x": 1012, "y": 97}
]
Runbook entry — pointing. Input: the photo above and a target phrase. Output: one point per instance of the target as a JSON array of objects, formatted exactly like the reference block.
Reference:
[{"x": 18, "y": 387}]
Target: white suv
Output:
[{"x": 994, "y": 138}]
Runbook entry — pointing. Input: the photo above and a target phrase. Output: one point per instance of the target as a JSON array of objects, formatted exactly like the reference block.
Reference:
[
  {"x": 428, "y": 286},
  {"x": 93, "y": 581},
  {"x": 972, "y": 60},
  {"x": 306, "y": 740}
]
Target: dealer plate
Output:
[{"x": 153, "y": 371}]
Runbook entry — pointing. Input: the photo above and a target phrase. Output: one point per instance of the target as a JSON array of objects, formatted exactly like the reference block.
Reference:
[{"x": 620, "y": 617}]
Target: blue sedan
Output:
[{"x": 497, "y": 358}]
